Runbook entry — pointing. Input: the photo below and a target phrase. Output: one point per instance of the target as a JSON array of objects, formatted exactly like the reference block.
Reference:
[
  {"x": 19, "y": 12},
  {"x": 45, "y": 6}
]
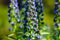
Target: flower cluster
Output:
[
  {"x": 28, "y": 21},
  {"x": 13, "y": 14},
  {"x": 57, "y": 17}
]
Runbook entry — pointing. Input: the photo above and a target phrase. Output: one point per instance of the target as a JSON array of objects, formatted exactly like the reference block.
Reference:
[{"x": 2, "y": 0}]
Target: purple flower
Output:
[
  {"x": 56, "y": 11},
  {"x": 29, "y": 39},
  {"x": 12, "y": 23},
  {"x": 38, "y": 37},
  {"x": 10, "y": 29},
  {"x": 18, "y": 21},
  {"x": 15, "y": 15},
  {"x": 33, "y": 35},
  {"x": 27, "y": 13},
  {"x": 35, "y": 29},
  {"x": 20, "y": 26},
  {"x": 28, "y": 27},
  {"x": 17, "y": 10}
]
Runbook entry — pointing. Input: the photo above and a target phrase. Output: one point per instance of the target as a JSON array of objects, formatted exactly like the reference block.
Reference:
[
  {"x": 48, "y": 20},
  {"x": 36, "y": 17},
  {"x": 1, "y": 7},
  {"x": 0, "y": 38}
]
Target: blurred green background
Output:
[{"x": 4, "y": 25}]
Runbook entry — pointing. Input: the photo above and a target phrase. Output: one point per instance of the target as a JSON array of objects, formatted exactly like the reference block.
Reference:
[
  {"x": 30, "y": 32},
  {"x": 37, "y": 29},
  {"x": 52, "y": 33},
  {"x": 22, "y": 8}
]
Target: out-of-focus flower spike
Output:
[
  {"x": 56, "y": 18},
  {"x": 13, "y": 14}
]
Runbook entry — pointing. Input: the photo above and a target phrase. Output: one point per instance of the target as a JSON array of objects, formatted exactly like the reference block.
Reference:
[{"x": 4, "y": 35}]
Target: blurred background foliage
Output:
[{"x": 4, "y": 25}]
